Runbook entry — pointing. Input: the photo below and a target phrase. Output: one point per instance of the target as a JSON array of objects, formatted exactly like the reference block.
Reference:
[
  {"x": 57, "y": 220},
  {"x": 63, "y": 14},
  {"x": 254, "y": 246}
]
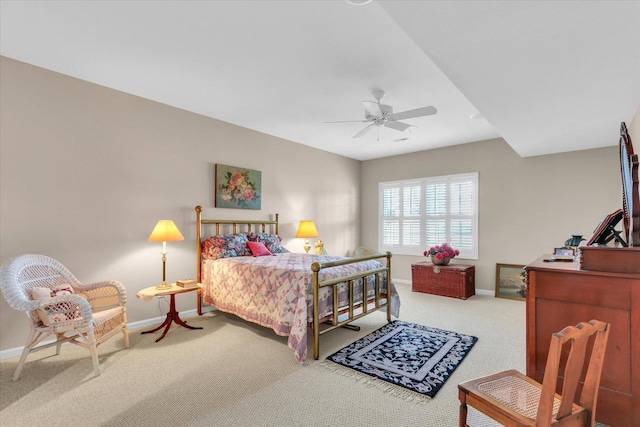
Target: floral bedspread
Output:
[{"x": 277, "y": 291}]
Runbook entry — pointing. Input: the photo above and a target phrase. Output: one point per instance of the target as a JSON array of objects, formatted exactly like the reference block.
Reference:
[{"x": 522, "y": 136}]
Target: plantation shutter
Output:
[
  {"x": 400, "y": 216},
  {"x": 418, "y": 214}
]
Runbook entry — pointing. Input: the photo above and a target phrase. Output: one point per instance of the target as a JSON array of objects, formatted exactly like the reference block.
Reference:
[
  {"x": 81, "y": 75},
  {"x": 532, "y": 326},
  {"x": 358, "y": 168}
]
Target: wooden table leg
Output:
[{"x": 172, "y": 316}]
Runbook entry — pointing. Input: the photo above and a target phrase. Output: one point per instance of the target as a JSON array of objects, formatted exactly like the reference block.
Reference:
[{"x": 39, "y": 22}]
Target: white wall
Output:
[{"x": 87, "y": 171}]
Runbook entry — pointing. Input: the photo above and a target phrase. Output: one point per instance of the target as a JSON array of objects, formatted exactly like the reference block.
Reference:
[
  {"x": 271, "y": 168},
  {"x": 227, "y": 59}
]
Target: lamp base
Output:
[{"x": 164, "y": 285}]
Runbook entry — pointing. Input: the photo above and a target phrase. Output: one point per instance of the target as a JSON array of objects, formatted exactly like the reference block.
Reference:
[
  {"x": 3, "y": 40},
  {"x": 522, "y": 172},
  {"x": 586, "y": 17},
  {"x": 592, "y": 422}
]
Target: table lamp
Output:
[
  {"x": 165, "y": 231},
  {"x": 305, "y": 230}
]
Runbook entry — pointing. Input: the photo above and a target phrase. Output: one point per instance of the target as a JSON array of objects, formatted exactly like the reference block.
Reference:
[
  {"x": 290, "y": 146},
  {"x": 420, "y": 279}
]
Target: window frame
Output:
[{"x": 408, "y": 218}]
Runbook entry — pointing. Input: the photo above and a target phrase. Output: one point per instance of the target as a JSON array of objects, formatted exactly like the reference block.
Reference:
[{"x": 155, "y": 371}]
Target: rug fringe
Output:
[{"x": 369, "y": 381}]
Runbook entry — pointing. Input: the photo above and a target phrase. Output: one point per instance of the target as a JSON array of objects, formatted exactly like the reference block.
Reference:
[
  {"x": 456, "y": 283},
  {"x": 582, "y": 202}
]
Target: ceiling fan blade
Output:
[
  {"x": 399, "y": 126},
  {"x": 363, "y": 131},
  {"x": 372, "y": 108},
  {"x": 350, "y": 121},
  {"x": 410, "y": 114}
]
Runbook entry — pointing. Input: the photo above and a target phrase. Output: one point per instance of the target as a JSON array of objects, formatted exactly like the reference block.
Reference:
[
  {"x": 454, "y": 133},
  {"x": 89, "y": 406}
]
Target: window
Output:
[{"x": 419, "y": 213}]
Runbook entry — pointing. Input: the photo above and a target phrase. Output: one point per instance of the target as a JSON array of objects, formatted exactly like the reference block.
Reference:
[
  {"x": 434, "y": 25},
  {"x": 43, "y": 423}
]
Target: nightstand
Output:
[{"x": 172, "y": 315}]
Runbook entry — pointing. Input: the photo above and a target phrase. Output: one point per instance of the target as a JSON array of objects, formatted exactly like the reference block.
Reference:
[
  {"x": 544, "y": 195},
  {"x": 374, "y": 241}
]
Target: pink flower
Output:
[
  {"x": 236, "y": 179},
  {"x": 249, "y": 193},
  {"x": 442, "y": 251}
]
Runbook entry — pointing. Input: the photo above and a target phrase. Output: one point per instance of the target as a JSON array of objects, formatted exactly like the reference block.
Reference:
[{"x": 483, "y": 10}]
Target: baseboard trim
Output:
[
  {"x": 17, "y": 351},
  {"x": 478, "y": 291}
]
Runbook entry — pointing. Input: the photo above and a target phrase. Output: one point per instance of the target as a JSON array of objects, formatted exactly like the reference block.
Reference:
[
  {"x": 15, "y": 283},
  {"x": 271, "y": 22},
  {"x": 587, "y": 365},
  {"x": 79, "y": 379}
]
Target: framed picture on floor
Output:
[{"x": 510, "y": 281}]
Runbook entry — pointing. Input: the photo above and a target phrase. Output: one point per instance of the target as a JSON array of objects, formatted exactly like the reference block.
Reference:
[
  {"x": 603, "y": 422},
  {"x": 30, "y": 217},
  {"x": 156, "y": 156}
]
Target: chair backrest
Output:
[
  {"x": 576, "y": 337},
  {"x": 21, "y": 274},
  {"x": 361, "y": 251}
]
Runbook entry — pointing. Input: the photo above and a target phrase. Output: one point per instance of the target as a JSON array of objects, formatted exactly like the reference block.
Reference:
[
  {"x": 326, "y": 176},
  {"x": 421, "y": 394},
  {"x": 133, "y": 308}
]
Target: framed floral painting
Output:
[
  {"x": 510, "y": 281},
  {"x": 238, "y": 188}
]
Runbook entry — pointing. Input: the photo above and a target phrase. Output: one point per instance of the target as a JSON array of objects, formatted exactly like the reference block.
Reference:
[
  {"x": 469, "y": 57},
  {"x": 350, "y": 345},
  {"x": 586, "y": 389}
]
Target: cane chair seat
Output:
[
  {"x": 517, "y": 394},
  {"x": 86, "y": 314},
  {"x": 512, "y": 398}
]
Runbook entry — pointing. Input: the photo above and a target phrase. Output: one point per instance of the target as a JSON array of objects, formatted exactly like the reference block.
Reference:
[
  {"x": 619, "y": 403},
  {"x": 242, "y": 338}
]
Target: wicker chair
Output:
[
  {"x": 361, "y": 251},
  {"x": 512, "y": 398},
  {"x": 87, "y": 317}
]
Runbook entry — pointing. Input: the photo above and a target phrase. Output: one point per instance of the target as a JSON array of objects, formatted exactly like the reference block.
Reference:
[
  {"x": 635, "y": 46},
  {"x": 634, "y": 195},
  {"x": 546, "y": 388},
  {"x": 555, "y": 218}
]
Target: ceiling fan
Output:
[{"x": 377, "y": 114}]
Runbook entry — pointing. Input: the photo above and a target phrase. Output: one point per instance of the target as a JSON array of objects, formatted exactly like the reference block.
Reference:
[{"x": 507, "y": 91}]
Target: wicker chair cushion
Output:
[{"x": 55, "y": 313}]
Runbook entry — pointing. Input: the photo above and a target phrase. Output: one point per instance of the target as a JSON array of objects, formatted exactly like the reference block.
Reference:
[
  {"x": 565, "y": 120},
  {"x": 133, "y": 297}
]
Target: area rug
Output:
[{"x": 417, "y": 358}]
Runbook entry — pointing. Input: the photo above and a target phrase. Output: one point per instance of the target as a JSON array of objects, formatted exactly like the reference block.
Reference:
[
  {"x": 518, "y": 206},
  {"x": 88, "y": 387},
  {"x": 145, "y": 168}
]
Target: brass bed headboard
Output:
[{"x": 234, "y": 223}]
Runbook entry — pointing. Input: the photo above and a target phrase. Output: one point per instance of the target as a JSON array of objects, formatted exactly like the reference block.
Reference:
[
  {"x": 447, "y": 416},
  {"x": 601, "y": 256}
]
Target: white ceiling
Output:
[{"x": 548, "y": 76}]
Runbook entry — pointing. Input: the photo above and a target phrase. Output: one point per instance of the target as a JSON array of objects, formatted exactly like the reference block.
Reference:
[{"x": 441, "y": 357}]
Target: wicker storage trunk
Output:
[{"x": 453, "y": 280}]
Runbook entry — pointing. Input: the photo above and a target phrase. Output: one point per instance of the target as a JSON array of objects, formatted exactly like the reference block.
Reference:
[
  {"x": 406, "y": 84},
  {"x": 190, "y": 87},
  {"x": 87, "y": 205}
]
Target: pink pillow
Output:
[{"x": 258, "y": 249}]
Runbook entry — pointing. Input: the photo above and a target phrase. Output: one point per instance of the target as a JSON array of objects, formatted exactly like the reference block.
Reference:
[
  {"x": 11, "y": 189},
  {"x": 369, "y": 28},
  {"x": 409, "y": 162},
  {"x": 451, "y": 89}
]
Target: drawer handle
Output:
[{"x": 436, "y": 269}]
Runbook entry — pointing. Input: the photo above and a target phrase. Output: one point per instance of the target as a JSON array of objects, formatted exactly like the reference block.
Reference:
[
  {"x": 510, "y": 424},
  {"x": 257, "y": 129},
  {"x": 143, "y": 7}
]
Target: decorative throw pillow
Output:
[
  {"x": 272, "y": 242},
  {"x": 258, "y": 249},
  {"x": 54, "y": 313},
  {"x": 226, "y": 246}
]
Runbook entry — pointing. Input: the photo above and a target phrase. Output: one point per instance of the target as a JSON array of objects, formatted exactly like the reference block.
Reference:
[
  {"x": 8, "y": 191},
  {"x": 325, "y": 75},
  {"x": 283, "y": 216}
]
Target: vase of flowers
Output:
[{"x": 441, "y": 254}]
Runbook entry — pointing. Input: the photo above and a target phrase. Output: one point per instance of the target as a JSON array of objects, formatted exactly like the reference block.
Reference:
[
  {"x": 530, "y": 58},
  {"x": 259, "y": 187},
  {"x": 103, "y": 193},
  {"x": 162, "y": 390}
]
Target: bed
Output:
[{"x": 287, "y": 292}]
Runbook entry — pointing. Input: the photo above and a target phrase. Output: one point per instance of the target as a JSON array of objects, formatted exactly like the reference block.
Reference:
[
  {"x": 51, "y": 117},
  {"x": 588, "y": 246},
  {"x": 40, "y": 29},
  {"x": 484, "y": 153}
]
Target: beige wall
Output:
[
  {"x": 87, "y": 171},
  {"x": 527, "y": 206}
]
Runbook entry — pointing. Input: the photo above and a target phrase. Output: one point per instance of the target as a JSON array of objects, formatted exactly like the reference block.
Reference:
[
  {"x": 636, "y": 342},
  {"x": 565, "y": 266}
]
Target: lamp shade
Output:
[
  {"x": 307, "y": 229},
  {"x": 165, "y": 231}
]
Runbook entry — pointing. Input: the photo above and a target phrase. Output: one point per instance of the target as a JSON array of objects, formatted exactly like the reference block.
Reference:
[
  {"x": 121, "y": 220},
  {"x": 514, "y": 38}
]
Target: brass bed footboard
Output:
[{"x": 343, "y": 317}]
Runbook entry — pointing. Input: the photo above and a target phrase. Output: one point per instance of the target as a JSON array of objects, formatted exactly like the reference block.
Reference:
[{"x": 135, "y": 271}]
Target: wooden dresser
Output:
[{"x": 561, "y": 294}]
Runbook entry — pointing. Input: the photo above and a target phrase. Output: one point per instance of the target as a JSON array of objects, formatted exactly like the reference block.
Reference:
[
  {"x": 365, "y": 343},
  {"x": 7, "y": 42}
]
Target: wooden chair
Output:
[
  {"x": 58, "y": 304},
  {"x": 513, "y": 399}
]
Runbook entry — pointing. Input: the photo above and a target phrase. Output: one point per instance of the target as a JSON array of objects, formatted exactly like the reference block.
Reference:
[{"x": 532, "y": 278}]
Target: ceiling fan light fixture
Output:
[
  {"x": 377, "y": 115},
  {"x": 358, "y": 2}
]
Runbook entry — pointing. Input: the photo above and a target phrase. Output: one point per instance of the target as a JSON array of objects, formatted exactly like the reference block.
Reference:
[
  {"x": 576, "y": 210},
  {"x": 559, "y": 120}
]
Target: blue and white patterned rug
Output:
[{"x": 415, "y": 357}]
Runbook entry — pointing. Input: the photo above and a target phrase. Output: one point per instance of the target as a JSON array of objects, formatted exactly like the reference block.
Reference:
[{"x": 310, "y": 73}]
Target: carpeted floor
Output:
[{"x": 233, "y": 373}]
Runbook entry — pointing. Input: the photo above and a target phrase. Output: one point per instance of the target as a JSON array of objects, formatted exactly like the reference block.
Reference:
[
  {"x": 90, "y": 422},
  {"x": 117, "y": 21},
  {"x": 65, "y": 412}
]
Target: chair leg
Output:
[
  {"x": 59, "y": 344},
  {"x": 34, "y": 338},
  {"x": 23, "y": 358},
  {"x": 93, "y": 348},
  {"x": 125, "y": 330},
  {"x": 463, "y": 413},
  {"x": 125, "y": 336}
]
